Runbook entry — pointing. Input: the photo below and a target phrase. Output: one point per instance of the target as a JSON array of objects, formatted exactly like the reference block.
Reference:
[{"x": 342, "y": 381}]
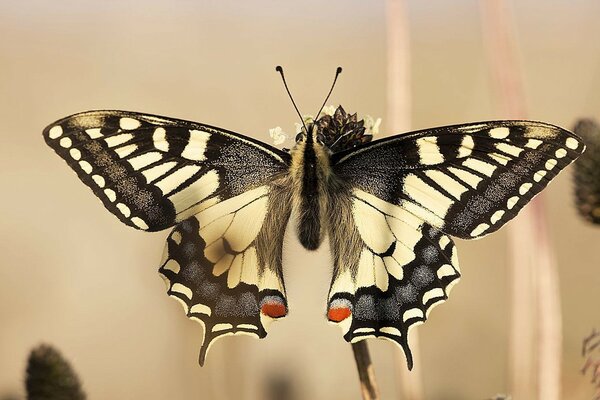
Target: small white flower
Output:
[
  {"x": 277, "y": 135},
  {"x": 372, "y": 125},
  {"x": 329, "y": 110}
]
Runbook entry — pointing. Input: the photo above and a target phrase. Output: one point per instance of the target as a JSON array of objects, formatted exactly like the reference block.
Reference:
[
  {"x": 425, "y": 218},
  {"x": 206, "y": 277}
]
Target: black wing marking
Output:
[
  {"x": 152, "y": 171},
  {"x": 390, "y": 270},
  {"x": 224, "y": 264},
  {"x": 467, "y": 180}
]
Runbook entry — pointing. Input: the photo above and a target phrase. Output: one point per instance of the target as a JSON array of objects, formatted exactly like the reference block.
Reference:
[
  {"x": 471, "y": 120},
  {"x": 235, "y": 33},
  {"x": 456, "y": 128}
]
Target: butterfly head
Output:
[{"x": 310, "y": 134}]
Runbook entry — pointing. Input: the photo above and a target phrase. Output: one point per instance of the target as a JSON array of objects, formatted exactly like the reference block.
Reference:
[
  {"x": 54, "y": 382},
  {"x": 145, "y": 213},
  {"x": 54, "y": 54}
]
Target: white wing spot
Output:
[
  {"x": 533, "y": 143},
  {"x": 539, "y": 175},
  {"x": 179, "y": 288},
  {"x": 202, "y": 309},
  {"x": 55, "y": 132},
  {"x": 451, "y": 185},
  {"x": 129, "y": 123},
  {"x": 221, "y": 327},
  {"x": 116, "y": 140},
  {"x": 173, "y": 180},
  {"x": 196, "y": 146},
  {"x": 433, "y": 294},
  {"x": 137, "y": 221},
  {"x": 157, "y": 171},
  {"x": 466, "y": 146},
  {"x": 525, "y": 188},
  {"x": 499, "y": 158},
  {"x": 560, "y": 153},
  {"x": 480, "y": 229},
  {"x": 176, "y": 237},
  {"x": 467, "y": 177},
  {"x": 65, "y": 142},
  {"x": 412, "y": 313},
  {"x": 509, "y": 149},
  {"x": 444, "y": 240},
  {"x": 123, "y": 152},
  {"x": 479, "y": 166},
  {"x": 99, "y": 180},
  {"x": 572, "y": 143},
  {"x": 112, "y": 196},
  {"x": 393, "y": 268},
  {"x": 172, "y": 265},
  {"x": 390, "y": 331},
  {"x": 144, "y": 160},
  {"x": 496, "y": 216},
  {"x": 511, "y": 202},
  {"x": 551, "y": 163},
  {"x": 93, "y": 133},
  {"x": 445, "y": 270},
  {"x": 364, "y": 330},
  {"x": 500, "y": 133},
  {"x": 75, "y": 154},
  {"x": 159, "y": 137},
  {"x": 85, "y": 166},
  {"x": 429, "y": 151},
  {"x": 124, "y": 209}
]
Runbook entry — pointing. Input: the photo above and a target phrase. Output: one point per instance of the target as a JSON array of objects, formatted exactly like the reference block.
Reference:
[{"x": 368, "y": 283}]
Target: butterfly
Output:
[{"x": 387, "y": 207}]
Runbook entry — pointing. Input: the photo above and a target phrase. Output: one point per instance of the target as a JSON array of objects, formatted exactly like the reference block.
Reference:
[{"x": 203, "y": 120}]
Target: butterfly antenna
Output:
[
  {"x": 338, "y": 71},
  {"x": 280, "y": 70}
]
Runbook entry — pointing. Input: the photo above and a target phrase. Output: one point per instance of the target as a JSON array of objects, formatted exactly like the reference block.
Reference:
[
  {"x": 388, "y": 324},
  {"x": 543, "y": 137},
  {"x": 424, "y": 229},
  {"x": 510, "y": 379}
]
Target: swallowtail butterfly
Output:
[{"x": 388, "y": 208}]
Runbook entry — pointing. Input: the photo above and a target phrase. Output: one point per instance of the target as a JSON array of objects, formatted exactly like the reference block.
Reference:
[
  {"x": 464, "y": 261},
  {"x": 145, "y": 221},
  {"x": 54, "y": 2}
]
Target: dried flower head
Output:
[
  {"x": 591, "y": 345},
  {"x": 587, "y": 172},
  {"x": 50, "y": 377},
  {"x": 338, "y": 129},
  {"x": 343, "y": 131}
]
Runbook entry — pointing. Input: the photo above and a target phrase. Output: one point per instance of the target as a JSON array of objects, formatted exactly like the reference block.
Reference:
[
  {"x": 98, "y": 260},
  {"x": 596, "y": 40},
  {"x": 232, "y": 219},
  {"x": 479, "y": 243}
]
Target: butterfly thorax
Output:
[{"x": 310, "y": 171}]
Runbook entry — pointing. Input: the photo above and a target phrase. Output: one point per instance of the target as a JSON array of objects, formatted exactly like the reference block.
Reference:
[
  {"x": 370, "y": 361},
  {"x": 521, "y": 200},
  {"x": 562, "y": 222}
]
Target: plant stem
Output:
[{"x": 366, "y": 373}]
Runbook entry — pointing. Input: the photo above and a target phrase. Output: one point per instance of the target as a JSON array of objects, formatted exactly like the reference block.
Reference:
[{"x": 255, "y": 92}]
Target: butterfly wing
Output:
[
  {"x": 408, "y": 193},
  {"x": 152, "y": 172},
  {"x": 224, "y": 264},
  {"x": 227, "y": 194},
  {"x": 466, "y": 180},
  {"x": 390, "y": 269}
]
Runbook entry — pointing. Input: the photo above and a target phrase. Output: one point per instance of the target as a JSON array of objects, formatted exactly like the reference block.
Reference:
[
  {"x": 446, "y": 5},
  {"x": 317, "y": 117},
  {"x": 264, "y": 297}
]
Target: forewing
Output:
[
  {"x": 466, "y": 180},
  {"x": 152, "y": 172},
  {"x": 390, "y": 269},
  {"x": 224, "y": 264}
]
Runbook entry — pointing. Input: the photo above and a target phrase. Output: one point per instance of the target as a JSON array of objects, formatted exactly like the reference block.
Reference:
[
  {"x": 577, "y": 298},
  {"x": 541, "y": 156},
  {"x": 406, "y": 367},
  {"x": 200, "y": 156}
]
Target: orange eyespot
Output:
[
  {"x": 273, "y": 306},
  {"x": 338, "y": 314}
]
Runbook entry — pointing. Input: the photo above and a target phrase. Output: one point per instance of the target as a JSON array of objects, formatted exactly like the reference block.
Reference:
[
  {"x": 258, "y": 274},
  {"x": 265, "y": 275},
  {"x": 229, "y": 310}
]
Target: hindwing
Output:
[
  {"x": 466, "y": 180},
  {"x": 224, "y": 264},
  {"x": 152, "y": 172},
  {"x": 390, "y": 269}
]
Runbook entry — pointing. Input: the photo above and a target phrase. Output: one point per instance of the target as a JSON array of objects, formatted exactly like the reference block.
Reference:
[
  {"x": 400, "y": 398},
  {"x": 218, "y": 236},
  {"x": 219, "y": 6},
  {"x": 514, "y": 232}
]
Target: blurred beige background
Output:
[{"x": 73, "y": 276}]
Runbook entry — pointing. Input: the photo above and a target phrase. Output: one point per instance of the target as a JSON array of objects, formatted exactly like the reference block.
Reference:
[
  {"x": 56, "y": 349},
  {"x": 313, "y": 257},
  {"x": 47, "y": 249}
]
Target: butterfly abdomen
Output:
[{"x": 310, "y": 170}]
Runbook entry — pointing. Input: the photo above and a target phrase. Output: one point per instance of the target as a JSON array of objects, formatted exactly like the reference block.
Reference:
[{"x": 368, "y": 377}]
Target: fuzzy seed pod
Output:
[
  {"x": 50, "y": 377},
  {"x": 587, "y": 172}
]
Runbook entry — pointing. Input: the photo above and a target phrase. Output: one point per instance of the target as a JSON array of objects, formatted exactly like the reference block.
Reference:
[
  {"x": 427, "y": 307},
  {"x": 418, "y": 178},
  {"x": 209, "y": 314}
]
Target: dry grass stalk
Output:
[
  {"x": 530, "y": 227},
  {"x": 366, "y": 373},
  {"x": 398, "y": 117},
  {"x": 535, "y": 298}
]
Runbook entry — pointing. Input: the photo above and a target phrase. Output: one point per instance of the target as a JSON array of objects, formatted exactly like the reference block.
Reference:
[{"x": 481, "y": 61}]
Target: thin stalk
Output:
[
  {"x": 398, "y": 119},
  {"x": 536, "y": 325},
  {"x": 366, "y": 373}
]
